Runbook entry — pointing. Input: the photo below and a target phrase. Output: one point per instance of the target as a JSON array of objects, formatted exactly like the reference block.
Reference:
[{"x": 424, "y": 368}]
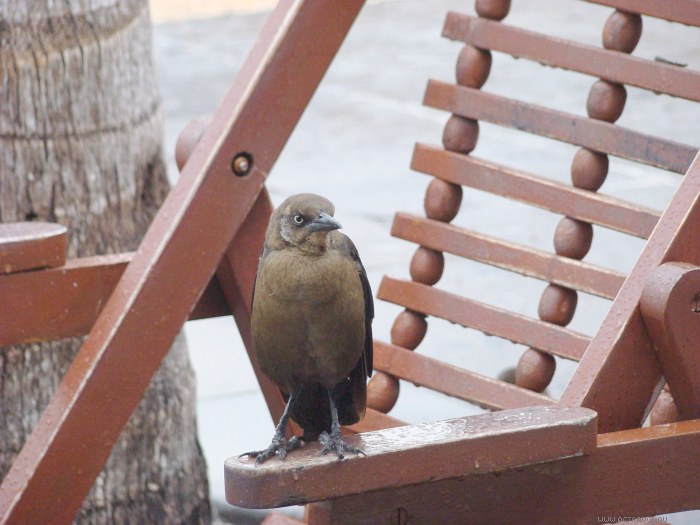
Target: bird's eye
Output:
[{"x": 299, "y": 219}]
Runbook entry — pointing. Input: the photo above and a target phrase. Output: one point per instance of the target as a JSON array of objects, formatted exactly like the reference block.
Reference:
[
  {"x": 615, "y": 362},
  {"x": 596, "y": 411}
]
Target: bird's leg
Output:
[
  {"x": 334, "y": 440},
  {"x": 279, "y": 445}
]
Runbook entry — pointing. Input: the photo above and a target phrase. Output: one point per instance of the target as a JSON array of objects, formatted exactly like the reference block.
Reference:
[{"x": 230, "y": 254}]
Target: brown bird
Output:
[{"x": 312, "y": 324}]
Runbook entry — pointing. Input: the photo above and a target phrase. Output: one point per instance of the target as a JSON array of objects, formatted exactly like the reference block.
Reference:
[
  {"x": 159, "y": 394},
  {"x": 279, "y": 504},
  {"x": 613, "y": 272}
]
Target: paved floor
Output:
[{"x": 354, "y": 144}]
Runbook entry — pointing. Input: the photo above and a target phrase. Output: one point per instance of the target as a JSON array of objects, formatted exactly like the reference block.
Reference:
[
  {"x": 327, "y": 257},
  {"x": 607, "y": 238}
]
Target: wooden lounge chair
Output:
[{"x": 583, "y": 456}]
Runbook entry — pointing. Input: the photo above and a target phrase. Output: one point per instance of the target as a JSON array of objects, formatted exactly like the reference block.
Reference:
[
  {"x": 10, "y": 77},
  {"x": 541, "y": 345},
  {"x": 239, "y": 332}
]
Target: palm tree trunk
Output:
[{"x": 81, "y": 144}]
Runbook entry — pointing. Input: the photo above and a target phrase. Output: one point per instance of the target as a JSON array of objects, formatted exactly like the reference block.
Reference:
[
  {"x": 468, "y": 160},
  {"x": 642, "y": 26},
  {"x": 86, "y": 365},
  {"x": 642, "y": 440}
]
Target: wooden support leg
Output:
[
  {"x": 236, "y": 274},
  {"x": 670, "y": 306}
]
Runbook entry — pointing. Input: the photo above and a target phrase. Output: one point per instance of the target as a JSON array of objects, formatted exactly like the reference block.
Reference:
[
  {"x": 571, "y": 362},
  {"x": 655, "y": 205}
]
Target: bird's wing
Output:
[
  {"x": 347, "y": 247},
  {"x": 356, "y": 388},
  {"x": 263, "y": 254}
]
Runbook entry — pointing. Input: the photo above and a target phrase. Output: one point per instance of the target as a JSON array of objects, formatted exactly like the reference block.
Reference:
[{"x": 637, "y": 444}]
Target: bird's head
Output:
[{"x": 302, "y": 221}]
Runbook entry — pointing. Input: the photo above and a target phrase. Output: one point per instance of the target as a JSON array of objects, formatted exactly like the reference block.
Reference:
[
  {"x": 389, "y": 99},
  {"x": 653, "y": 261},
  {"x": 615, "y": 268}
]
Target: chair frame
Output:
[{"x": 221, "y": 191}]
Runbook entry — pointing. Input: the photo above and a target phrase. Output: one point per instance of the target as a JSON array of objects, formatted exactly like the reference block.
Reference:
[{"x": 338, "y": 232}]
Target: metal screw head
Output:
[{"x": 241, "y": 164}]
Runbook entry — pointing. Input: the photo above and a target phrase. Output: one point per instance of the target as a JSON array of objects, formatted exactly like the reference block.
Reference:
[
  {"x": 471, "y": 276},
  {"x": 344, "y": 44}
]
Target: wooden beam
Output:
[
  {"x": 518, "y": 185},
  {"x": 559, "y": 125},
  {"x": 453, "y": 381},
  {"x": 510, "y": 256},
  {"x": 65, "y": 301},
  {"x": 176, "y": 259},
  {"x": 398, "y": 457},
  {"x": 620, "y": 374},
  {"x": 489, "y": 319},
  {"x": 558, "y": 52},
  {"x": 641, "y": 472},
  {"x": 670, "y": 305}
]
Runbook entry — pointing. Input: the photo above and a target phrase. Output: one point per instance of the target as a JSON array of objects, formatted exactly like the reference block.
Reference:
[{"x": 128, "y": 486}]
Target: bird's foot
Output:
[
  {"x": 333, "y": 442},
  {"x": 279, "y": 447}
]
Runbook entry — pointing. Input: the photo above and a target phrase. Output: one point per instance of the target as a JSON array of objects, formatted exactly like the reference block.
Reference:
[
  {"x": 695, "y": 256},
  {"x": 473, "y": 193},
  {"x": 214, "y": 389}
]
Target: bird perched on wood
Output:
[{"x": 312, "y": 324}]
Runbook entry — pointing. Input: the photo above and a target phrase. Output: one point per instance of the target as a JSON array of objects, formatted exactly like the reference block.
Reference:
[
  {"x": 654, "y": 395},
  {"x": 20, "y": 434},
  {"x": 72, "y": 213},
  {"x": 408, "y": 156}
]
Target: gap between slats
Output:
[
  {"x": 509, "y": 256},
  {"x": 453, "y": 381},
  {"x": 683, "y": 11},
  {"x": 497, "y": 179},
  {"x": 489, "y": 319},
  {"x": 375, "y": 420},
  {"x": 609, "y": 65},
  {"x": 593, "y": 134}
]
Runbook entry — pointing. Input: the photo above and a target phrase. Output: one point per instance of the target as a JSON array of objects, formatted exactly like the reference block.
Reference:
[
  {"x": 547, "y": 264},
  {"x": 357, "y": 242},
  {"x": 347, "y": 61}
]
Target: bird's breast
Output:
[
  {"x": 307, "y": 280},
  {"x": 308, "y": 318}
]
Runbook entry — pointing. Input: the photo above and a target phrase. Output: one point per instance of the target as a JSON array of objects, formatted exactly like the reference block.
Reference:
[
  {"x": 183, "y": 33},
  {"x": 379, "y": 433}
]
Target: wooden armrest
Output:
[
  {"x": 31, "y": 245},
  {"x": 65, "y": 301},
  {"x": 491, "y": 442}
]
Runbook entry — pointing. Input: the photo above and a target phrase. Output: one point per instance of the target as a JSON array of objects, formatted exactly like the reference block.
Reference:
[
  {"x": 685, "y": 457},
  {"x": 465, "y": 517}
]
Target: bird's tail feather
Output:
[{"x": 312, "y": 409}]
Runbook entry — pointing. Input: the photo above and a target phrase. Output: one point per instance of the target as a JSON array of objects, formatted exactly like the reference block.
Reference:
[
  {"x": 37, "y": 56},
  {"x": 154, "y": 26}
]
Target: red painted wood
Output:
[
  {"x": 584, "y": 205},
  {"x": 608, "y": 65},
  {"x": 31, "y": 245},
  {"x": 620, "y": 374},
  {"x": 409, "y": 455},
  {"x": 590, "y": 133},
  {"x": 176, "y": 260},
  {"x": 488, "y": 319}
]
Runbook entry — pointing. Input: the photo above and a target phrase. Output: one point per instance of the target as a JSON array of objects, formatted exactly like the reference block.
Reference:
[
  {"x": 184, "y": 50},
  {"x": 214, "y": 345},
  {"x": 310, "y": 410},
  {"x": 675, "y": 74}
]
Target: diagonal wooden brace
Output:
[
  {"x": 670, "y": 307},
  {"x": 620, "y": 374},
  {"x": 176, "y": 259}
]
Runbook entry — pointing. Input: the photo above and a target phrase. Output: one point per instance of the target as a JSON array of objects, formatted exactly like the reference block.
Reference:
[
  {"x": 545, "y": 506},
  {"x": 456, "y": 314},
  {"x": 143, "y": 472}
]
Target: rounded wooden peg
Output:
[
  {"x": 427, "y": 266},
  {"x": 492, "y": 9},
  {"x": 573, "y": 238},
  {"x": 460, "y": 134},
  {"x": 535, "y": 370},
  {"x": 664, "y": 410},
  {"x": 589, "y": 169},
  {"x": 622, "y": 31},
  {"x": 382, "y": 392},
  {"x": 557, "y": 305},
  {"x": 408, "y": 330},
  {"x": 188, "y": 139},
  {"x": 442, "y": 200},
  {"x": 606, "y": 100},
  {"x": 32, "y": 245},
  {"x": 473, "y": 66}
]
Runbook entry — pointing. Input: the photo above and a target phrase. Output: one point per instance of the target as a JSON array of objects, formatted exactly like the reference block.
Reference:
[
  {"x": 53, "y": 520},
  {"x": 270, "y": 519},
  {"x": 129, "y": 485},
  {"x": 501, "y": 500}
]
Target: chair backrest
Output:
[{"x": 456, "y": 173}]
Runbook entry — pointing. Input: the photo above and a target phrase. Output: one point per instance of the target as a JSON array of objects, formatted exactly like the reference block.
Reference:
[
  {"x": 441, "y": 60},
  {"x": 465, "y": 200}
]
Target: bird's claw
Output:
[
  {"x": 333, "y": 442},
  {"x": 279, "y": 447}
]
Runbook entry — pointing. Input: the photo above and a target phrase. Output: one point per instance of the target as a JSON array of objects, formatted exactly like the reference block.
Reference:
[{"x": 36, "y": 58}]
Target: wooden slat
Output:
[
  {"x": 488, "y": 319},
  {"x": 643, "y": 472},
  {"x": 683, "y": 11},
  {"x": 507, "y": 255},
  {"x": 497, "y": 179},
  {"x": 453, "y": 381},
  {"x": 65, "y": 302},
  {"x": 590, "y": 133},
  {"x": 609, "y": 65},
  {"x": 493, "y": 442}
]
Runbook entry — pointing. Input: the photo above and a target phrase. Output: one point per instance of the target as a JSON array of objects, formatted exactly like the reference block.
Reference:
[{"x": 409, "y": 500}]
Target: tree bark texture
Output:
[{"x": 81, "y": 145}]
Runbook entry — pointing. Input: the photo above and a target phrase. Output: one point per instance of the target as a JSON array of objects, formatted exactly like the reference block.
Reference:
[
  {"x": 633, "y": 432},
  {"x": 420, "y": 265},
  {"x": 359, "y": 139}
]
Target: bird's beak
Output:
[{"x": 324, "y": 223}]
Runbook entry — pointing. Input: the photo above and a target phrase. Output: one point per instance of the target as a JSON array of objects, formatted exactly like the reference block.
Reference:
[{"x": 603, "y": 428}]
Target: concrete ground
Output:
[{"x": 354, "y": 145}]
